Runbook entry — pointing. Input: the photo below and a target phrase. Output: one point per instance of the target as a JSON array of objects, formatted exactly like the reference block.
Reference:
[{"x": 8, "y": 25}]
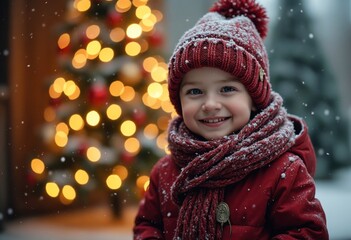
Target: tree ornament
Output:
[
  {"x": 114, "y": 19},
  {"x": 98, "y": 94},
  {"x": 139, "y": 117},
  {"x": 127, "y": 158},
  {"x": 156, "y": 39},
  {"x": 55, "y": 102},
  {"x": 82, "y": 149}
]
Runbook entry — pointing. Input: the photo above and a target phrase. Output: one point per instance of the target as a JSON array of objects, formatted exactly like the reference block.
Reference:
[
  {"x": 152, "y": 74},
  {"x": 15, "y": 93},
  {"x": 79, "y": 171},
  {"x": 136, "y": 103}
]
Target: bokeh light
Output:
[
  {"x": 82, "y": 5},
  {"x": 132, "y": 145},
  {"x": 76, "y": 122},
  {"x": 134, "y": 31},
  {"x": 52, "y": 189},
  {"x": 93, "y": 154},
  {"x": 81, "y": 177},
  {"x": 93, "y": 118},
  {"x": 68, "y": 192},
  {"x": 64, "y": 40},
  {"x": 121, "y": 171},
  {"x": 92, "y": 31},
  {"x": 114, "y": 111},
  {"x": 128, "y": 128},
  {"x": 133, "y": 49},
  {"x": 37, "y": 165},
  {"x": 114, "y": 182},
  {"x": 106, "y": 54}
]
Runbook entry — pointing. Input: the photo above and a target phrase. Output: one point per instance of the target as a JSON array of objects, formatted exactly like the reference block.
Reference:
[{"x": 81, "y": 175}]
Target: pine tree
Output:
[
  {"x": 299, "y": 73},
  {"x": 109, "y": 107}
]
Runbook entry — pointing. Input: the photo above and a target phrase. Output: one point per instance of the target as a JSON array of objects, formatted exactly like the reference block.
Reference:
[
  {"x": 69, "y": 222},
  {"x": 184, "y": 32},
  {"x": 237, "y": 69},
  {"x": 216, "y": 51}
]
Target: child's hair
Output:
[{"x": 229, "y": 37}]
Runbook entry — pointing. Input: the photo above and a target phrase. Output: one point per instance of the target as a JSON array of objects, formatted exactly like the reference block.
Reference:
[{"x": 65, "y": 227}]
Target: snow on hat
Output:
[{"x": 229, "y": 37}]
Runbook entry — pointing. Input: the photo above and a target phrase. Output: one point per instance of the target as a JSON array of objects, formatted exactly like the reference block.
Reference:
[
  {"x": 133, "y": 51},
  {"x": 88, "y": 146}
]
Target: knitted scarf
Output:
[{"x": 208, "y": 166}]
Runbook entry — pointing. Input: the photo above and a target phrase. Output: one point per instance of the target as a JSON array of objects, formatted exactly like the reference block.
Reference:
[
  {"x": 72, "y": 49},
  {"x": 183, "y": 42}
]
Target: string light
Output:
[
  {"x": 76, "y": 122},
  {"x": 155, "y": 90},
  {"x": 138, "y": 3},
  {"x": 68, "y": 192},
  {"x": 49, "y": 114},
  {"x": 128, "y": 94},
  {"x": 149, "y": 63},
  {"x": 161, "y": 141},
  {"x": 114, "y": 111},
  {"x": 128, "y": 128},
  {"x": 151, "y": 131},
  {"x": 93, "y": 118},
  {"x": 58, "y": 84},
  {"x": 106, "y": 54},
  {"x": 133, "y": 49},
  {"x": 92, "y": 31},
  {"x": 93, "y": 154},
  {"x": 79, "y": 59},
  {"x": 121, "y": 171},
  {"x": 114, "y": 182},
  {"x": 93, "y": 48},
  {"x": 62, "y": 127},
  {"x": 54, "y": 94},
  {"x": 142, "y": 181},
  {"x": 52, "y": 189},
  {"x": 142, "y": 12},
  {"x": 132, "y": 145},
  {"x": 117, "y": 34},
  {"x": 69, "y": 88},
  {"x": 123, "y": 6},
  {"x": 81, "y": 177},
  {"x": 64, "y": 40},
  {"x": 37, "y": 166},
  {"x": 116, "y": 88},
  {"x": 134, "y": 31},
  {"x": 159, "y": 73},
  {"x": 82, "y": 5},
  {"x": 61, "y": 139}
]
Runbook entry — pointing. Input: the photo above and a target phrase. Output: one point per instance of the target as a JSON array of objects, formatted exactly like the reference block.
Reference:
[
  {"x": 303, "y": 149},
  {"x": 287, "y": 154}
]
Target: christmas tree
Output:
[
  {"x": 299, "y": 73},
  {"x": 109, "y": 109}
]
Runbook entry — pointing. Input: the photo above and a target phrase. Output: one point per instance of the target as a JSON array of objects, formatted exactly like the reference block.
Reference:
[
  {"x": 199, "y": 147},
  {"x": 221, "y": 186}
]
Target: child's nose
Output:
[{"x": 211, "y": 103}]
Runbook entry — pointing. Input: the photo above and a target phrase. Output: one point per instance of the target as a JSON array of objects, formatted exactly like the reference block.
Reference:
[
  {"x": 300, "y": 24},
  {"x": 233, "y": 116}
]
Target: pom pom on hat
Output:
[
  {"x": 229, "y": 37},
  {"x": 247, "y": 8}
]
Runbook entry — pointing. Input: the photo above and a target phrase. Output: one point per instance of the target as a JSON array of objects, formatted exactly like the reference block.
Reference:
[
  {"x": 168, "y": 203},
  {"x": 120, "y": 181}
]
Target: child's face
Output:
[{"x": 214, "y": 104}]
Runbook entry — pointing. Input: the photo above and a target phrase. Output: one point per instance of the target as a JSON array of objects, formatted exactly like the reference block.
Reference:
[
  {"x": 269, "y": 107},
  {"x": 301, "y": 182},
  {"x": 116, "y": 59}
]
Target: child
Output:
[{"x": 240, "y": 167}]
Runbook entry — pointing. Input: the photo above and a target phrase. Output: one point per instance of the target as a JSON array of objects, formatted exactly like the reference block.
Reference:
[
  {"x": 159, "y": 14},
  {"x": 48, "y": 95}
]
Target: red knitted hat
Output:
[{"x": 229, "y": 37}]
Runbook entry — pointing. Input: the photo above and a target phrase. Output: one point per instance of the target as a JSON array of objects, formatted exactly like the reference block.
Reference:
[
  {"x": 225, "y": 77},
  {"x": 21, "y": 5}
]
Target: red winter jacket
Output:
[{"x": 274, "y": 202}]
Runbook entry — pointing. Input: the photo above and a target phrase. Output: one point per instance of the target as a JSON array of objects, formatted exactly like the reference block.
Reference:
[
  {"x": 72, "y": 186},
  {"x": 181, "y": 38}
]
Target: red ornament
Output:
[
  {"x": 98, "y": 94},
  {"x": 31, "y": 180},
  {"x": 139, "y": 117},
  {"x": 64, "y": 51},
  {"x": 156, "y": 39},
  {"x": 82, "y": 149},
  {"x": 55, "y": 102},
  {"x": 127, "y": 158},
  {"x": 114, "y": 19}
]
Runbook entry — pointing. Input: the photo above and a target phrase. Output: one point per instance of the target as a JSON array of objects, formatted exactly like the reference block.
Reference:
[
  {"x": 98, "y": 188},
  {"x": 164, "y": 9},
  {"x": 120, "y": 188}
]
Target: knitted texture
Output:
[
  {"x": 209, "y": 166},
  {"x": 226, "y": 38}
]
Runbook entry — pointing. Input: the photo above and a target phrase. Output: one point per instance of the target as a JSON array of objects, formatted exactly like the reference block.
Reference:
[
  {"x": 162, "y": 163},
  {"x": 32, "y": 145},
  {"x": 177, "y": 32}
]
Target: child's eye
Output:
[
  {"x": 228, "y": 89},
  {"x": 194, "y": 91}
]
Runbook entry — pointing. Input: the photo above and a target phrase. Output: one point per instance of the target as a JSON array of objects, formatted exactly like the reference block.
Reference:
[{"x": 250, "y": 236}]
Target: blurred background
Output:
[{"x": 84, "y": 106}]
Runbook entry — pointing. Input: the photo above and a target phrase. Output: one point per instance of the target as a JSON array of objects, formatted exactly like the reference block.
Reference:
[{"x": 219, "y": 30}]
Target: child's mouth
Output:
[{"x": 214, "y": 120}]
